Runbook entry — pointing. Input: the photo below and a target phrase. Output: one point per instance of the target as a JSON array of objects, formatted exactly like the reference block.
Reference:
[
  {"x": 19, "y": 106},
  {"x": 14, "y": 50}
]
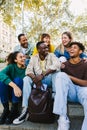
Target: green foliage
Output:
[
  {"x": 2, "y": 60},
  {"x": 2, "y": 2},
  {"x": 51, "y": 16}
]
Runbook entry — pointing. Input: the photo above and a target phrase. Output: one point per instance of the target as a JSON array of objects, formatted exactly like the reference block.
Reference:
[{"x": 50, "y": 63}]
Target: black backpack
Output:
[{"x": 41, "y": 106}]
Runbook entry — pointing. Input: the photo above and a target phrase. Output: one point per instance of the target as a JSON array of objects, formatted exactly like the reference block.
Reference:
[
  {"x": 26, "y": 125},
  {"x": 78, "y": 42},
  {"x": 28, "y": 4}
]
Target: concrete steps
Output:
[
  {"x": 73, "y": 110},
  {"x": 30, "y": 126},
  {"x": 75, "y": 114},
  {"x": 74, "y": 125}
]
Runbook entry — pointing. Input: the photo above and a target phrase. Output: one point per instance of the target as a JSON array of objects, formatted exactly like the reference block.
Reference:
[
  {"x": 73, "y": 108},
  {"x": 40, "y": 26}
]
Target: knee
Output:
[
  {"x": 1, "y": 84},
  {"x": 18, "y": 81},
  {"x": 27, "y": 79},
  {"x": 62, "y": 75}
]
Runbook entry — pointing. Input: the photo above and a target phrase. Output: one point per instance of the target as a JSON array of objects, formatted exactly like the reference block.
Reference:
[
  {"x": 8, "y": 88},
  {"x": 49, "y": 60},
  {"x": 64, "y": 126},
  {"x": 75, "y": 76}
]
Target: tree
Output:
[{"x": 38, "y": 16}]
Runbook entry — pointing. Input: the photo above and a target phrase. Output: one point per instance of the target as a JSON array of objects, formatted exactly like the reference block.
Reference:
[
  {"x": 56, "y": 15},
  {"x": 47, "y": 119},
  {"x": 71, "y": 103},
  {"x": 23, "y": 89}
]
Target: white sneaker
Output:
[
  {"x": 23, "y": 117},
  {"x": 63, "y": 123}
]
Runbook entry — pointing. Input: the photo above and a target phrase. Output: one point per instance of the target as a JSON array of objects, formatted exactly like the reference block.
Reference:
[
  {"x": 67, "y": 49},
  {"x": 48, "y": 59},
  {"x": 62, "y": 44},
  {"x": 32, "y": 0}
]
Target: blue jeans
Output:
[
  {"x": 7, "y": 92},
  {"x": 67, "y": 90},
  {"x": 28, "y": 83}
]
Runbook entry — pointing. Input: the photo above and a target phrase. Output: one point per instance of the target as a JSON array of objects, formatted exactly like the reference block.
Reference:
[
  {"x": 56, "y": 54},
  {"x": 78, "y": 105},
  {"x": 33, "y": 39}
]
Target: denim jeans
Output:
[
  {"x": 28, "y": 83},
  {"x": 7, "y": 92},
  {"x": 67, "y": 90}
]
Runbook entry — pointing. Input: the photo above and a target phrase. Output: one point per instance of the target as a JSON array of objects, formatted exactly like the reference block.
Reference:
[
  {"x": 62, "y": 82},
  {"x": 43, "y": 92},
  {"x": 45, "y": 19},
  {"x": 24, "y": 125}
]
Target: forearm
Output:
[
  {"x": 79, "y": 81},
  {"x": 36, "y": 78},
  {"x": 12, "y": 84},
  {"x": 31, "y": 75},
  {"x": 17, "y": 90}
]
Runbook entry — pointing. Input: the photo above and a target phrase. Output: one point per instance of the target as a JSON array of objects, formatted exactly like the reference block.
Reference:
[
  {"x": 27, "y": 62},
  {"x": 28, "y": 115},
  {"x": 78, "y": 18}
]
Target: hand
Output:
[
  {"x": 62, "y": 66},
  {"x": 37, "y": 78},
  {"x": 17, "y": 91},
  {"x": 85, "y": 60},
  {"x": 39, "y": 85}
]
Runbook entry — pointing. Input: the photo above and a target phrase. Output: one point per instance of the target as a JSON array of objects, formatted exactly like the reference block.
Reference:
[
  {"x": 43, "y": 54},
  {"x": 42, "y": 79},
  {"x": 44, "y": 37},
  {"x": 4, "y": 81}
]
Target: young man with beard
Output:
[
  {"x": 24, "y": 47},
  {"x": 72, "y": 86}
]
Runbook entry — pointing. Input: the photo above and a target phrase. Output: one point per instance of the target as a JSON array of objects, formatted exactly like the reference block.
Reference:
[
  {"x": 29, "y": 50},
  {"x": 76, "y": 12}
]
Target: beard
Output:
[{"x": 25, "y": 45}]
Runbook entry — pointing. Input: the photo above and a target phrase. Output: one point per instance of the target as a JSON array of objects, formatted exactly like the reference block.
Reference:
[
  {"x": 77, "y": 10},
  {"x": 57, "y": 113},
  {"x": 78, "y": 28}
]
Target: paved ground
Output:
[{"x": 75, "y": 112}]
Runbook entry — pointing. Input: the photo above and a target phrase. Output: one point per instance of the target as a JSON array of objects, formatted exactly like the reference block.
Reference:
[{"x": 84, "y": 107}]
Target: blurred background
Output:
[{"x": 34, "y": 17}]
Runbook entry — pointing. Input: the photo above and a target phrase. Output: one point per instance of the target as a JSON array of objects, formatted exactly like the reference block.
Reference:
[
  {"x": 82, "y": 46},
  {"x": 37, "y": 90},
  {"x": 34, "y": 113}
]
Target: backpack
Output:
[{"x": 40, "y": 106}]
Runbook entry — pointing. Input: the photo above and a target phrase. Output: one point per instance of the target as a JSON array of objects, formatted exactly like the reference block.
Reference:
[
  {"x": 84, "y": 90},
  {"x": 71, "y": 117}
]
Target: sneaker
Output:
[
  {"x": 4, "y": 116},
  {"x": 63, "y": 123},
  {"x": 12, "y": 115},
  {"x": 23, "y": 117}
]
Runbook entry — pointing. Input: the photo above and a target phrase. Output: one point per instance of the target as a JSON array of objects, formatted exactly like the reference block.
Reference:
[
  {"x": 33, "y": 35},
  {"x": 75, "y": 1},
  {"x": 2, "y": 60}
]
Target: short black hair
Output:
[
  {"x": 80, "y": 45},
  {"x": 22, "y": 34},
  {"x": 39, "y": 43}
]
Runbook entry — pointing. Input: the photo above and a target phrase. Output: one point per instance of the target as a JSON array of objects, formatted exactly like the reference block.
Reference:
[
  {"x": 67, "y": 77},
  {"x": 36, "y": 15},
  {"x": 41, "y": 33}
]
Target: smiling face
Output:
[
  {"x": 46, "y": 40},
  {"x": 20, "y": 59},
  {"x": 23, "y": 41},
  {"x": 74, "y": 51},
  {"x": 43, "y": 49},
  {"x": 65, "y": 39}
]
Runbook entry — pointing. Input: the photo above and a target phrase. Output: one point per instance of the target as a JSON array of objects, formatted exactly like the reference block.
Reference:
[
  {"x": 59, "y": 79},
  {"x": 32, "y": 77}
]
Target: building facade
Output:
[{"x": 7, "y": 38}]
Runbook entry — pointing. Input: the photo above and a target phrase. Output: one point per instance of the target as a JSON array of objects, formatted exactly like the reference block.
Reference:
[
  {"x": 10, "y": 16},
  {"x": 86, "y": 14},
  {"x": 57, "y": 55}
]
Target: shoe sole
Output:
[{"x": 18, "y": 123}]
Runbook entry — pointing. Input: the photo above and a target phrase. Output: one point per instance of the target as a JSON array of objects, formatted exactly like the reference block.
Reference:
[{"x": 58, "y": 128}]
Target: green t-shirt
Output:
[{"x": 10, "y": 72}]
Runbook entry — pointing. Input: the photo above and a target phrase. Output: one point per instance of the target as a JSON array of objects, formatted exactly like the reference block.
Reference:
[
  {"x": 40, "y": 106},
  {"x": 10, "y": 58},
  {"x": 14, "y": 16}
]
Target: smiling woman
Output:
[
  {"x": 11, "y": 84},
  {"x": 78, "y": 7}
]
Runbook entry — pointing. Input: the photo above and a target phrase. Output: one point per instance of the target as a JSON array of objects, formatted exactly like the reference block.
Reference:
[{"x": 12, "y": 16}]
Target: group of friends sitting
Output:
[{"x": 63, "y": 68}]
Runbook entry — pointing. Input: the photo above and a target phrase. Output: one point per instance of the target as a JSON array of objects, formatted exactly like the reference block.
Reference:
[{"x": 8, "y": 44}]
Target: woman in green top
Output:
[{"x": 11, "y": 84}]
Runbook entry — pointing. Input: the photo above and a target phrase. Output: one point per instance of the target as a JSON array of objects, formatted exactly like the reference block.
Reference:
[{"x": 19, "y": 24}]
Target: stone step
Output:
[
  {"x": 75, "y": 124},
  {"x": 1, "y": 108},
  {"x": 73, "y": 110},
  {"x": 75, "y": 115},
  {"x": 29, "y": 126}
]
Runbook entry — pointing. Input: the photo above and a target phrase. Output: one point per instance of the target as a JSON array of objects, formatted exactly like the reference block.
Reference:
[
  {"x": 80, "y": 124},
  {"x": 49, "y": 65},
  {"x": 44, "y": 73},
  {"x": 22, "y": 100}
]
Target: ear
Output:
[{"x": 80, "y": 52}]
